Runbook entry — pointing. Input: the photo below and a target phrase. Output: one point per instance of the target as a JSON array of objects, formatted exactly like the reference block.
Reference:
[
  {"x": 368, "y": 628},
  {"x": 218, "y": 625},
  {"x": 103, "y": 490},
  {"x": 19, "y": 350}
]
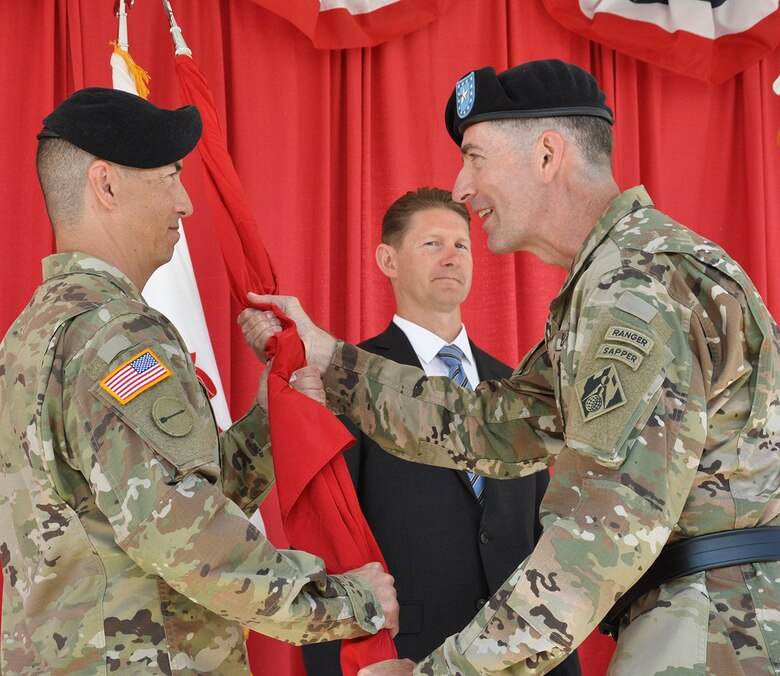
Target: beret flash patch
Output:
[{"x": 464, "y": 94}]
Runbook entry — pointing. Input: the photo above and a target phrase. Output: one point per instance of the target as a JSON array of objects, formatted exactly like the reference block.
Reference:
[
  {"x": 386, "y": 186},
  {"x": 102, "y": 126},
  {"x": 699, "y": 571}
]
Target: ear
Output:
[
  {"x": 102, "y": 179},
  {"x": 385, "y": 259},
  {"x": 550, "y": 147}
]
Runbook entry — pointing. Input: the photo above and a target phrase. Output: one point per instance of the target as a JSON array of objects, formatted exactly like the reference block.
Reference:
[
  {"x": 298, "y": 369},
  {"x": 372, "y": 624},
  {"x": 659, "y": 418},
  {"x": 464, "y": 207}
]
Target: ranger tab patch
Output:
[
  {"x": 600, "y": 393},
  {"x": 624, "y": 334},
  {"x": 135, "y": 376}
]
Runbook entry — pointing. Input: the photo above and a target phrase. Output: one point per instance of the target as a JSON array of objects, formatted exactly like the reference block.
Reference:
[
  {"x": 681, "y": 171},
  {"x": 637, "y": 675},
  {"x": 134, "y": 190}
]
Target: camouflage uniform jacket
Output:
[
  {"x": 655, "y": 392},
  {"x": 124, "y": 536}
]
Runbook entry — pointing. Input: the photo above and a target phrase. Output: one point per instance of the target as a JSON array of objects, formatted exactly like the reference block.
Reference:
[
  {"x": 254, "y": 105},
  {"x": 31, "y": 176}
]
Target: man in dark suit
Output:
[{"x": 449, "y": 542}]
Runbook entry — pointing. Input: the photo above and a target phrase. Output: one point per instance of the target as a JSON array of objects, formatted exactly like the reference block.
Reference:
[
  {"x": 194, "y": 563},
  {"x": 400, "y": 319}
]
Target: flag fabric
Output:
[
  {"x": 710, "y": 40},
  {"x": 319, "y": 508},
  {"x": 341, "y": 24},
  {"x": 127, "y": 75},
  {"x": 248, "y": 265}
]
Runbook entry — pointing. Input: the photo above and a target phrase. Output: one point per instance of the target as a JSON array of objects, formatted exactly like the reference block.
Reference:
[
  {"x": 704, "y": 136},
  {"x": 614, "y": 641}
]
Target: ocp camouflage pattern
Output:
[
  {"x": 125, "y": 538},
  {"x": 655, "y": 393}
]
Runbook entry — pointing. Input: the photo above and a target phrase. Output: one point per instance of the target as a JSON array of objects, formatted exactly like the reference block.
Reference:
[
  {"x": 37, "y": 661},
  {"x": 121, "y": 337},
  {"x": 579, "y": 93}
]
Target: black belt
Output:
[{"x": 694, "y": 555}]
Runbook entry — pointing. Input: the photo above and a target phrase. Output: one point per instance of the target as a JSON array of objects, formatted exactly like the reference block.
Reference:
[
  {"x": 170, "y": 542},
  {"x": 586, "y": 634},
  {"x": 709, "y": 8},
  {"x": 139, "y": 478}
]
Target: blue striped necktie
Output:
[{"x": 452, "y": 356}]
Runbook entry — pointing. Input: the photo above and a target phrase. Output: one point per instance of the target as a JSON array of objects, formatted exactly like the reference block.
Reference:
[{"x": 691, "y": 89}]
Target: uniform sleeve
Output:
[
  {"x": 616, "y": 494},
  {"x": 503, "y": 429},
  {"x": 246, "y": 460},
  {"x": 142, "y": 435}
]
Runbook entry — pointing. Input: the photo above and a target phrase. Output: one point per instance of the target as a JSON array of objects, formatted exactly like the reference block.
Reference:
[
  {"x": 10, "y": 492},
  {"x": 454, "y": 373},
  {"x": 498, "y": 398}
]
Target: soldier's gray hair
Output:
[
  {"x": 62, "y": 173},
  {"x": 592, "y": 135}
]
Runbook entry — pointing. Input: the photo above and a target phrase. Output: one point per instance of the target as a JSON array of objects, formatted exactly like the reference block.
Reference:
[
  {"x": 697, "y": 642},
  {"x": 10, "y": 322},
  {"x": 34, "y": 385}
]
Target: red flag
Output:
[
  {"x": 707, "y": 40},
  {"x": 340, "y": 24},
  {"x": 320, "y": 511},
  {"x": 248, "y": 265}
]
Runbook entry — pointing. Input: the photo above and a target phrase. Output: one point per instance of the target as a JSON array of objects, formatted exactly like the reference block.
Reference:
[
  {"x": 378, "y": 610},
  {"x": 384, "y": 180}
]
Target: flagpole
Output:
[
  {"x": 121, "y": 12},
  {"x": 178, "y": 38}
]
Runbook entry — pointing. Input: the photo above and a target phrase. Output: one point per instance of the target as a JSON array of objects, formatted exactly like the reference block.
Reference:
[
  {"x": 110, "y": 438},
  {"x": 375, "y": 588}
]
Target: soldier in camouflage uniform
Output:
[
  {"x": 654, "y": 391},
  {"x": 125, "y": 537}
]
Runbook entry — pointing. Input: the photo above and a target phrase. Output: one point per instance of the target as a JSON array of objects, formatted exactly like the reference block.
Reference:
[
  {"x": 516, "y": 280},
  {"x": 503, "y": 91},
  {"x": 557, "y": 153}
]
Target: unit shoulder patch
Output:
[
  {"x": 600, "y": 393},
  {"x": 172, "y": 416}
]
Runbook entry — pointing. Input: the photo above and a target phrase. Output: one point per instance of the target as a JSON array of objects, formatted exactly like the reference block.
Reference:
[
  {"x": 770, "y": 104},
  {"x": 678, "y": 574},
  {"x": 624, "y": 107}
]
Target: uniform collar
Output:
[
  {"x": 625, "y": 203},
  {"x": 76, "y": 262}
]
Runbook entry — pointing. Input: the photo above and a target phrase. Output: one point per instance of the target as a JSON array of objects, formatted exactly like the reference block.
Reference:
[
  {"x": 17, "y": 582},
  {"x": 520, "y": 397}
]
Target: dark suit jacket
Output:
[{"x": 447, "y": 554}]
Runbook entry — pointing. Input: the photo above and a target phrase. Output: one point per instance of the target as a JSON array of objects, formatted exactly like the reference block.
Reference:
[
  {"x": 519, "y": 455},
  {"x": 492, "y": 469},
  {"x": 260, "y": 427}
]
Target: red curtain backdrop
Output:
[{"x": 324, "y": 140}]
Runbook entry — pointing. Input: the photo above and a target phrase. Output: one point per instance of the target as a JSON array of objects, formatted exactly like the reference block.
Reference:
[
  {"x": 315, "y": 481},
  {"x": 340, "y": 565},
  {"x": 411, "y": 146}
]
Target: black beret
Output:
[
  {"x": 546, "y": 88},
  {"x": 124, "y": 128}
]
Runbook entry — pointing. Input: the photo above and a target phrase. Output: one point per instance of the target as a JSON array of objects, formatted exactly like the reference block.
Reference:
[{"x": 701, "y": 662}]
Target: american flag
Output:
[{"x": 135, "y": 376}]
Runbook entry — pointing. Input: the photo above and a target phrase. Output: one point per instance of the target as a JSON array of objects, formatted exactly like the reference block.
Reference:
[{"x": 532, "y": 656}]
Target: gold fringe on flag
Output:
[{"x": 140, "y": 76}]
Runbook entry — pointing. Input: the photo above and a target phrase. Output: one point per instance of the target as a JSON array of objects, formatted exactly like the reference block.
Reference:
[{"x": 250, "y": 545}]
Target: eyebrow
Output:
[{"x": 467, "y": 148}]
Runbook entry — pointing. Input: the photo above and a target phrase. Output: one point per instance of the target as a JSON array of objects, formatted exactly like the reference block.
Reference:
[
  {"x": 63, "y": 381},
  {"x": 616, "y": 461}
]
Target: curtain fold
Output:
[{"x": 324, "y": 141}]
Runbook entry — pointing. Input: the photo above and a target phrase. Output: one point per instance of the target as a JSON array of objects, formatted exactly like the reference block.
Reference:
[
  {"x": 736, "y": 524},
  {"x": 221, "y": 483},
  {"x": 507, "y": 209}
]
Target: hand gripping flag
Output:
[
  {"x": 710, "y": 40},
  {"x": 320, "y": 511},
  {"x": 340, "y": 24}
]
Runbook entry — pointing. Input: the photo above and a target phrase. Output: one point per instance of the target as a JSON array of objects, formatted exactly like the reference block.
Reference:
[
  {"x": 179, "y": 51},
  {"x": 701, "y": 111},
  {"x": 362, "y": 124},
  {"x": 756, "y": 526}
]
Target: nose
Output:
[
  {"x": 184, "y": 206},
  {"x": 450, "y": 256},
  {"x": 463, "y": 190}
]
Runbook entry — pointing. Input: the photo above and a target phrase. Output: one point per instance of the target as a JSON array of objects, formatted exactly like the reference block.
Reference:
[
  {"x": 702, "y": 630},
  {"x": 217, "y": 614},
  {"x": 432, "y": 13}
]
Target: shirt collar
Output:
[
  {"x": 427, "y": 344},
  {"x": 73, "y": 262}
]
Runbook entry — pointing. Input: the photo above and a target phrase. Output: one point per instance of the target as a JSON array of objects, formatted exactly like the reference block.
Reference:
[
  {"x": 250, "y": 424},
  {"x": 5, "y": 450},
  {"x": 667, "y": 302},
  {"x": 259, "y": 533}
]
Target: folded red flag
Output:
[{"x": 320, "y": 511}]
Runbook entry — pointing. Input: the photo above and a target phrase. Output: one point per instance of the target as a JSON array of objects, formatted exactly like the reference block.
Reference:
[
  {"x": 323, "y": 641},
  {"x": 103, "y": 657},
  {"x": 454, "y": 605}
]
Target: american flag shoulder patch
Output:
[{"x": 134, "y": 376}]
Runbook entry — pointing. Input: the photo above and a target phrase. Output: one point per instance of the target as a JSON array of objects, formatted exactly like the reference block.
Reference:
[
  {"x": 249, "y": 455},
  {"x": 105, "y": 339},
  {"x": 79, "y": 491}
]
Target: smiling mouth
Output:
[{"x": 484, "y": 213}]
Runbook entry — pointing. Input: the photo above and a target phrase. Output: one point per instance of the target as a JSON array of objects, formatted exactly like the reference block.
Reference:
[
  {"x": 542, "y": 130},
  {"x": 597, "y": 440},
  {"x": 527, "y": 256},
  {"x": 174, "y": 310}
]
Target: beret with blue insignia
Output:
[
  {"x": 124, "y": 128},
  {"x": 545, "y": 88}
]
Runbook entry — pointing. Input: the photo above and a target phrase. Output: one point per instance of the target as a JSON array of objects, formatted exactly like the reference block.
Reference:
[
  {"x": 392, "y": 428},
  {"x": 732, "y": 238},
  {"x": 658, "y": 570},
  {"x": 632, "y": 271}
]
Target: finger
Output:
[
  {"x": 306, "y": 385},
  {"x": 308, "y": 370},
  {"x": 251, "y": 318},
  {"x": 246, "y": 314}
]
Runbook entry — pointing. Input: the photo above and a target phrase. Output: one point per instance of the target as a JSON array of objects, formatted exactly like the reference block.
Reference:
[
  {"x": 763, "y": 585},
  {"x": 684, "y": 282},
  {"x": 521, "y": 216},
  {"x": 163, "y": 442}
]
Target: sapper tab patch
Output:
[
  {"x": 624, "y": 334},
  {"x": 135, "y": 376},
  {"x": 600, "y": 393},
  {"x": 629, "y": 356}
]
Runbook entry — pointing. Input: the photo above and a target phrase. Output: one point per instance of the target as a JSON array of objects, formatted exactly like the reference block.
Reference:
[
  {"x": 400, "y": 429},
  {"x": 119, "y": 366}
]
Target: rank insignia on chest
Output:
[
  {"x": 600, "y": 393},
  {"x": 135, "y": 376}
]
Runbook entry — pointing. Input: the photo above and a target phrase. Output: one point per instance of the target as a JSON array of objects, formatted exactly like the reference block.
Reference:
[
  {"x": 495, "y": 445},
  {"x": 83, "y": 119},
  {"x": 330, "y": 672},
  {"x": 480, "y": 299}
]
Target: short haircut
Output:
[
  {"x": 593, "y": 135},
  {"x": 397, "y": 217},
  {"x": 62, "y": 173}
]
